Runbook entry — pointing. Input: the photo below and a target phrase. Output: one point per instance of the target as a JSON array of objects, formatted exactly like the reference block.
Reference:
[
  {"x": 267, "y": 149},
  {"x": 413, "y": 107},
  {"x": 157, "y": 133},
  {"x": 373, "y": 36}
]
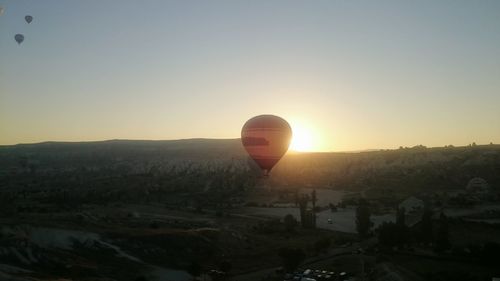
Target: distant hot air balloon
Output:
[
  {"x": 19, "y": 38},
  {"x": 28, "y": 18},
  {"x": 266, "y": 139},
  {"x": 1, "y": 10}
]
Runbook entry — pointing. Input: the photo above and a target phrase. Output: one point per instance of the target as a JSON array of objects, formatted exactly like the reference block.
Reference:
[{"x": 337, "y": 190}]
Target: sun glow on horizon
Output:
[{"x": 302, "y": 138}]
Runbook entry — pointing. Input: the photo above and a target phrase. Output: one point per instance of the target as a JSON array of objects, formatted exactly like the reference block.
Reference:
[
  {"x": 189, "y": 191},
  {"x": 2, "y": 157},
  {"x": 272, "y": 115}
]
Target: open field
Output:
[{"x": 343, "y": 220}]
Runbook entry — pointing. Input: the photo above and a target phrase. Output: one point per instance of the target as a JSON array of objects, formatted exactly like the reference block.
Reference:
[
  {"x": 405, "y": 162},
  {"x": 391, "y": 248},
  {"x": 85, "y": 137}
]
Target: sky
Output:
[{"x": 347, "y": 75}]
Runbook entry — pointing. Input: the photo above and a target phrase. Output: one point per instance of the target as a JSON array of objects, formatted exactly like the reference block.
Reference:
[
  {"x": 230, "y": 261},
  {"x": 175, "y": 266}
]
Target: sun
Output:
[{"x": 302, "y": 138}]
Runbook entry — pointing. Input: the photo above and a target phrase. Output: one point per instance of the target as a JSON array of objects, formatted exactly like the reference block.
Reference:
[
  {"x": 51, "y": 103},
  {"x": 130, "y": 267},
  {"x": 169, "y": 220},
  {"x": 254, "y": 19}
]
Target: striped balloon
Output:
[{"x": 266, "y": 139}]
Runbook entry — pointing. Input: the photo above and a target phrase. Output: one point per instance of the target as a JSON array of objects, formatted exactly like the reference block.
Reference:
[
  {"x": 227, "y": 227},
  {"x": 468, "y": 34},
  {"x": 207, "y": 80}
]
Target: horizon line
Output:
[{"x": 222, "y": 139}]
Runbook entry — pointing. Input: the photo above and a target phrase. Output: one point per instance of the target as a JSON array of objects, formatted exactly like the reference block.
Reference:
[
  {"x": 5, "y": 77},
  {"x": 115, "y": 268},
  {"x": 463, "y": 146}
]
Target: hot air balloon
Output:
[
  {"x": 28, "y": 18},
  {"x": 1, "y": 10},
  {"x": 19, "y": 38},
  {"x": 266, "y": 139}
]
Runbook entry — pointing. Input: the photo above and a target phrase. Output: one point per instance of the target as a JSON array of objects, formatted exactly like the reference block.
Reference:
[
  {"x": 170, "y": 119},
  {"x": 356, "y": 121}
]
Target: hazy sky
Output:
[{"x": 354, "y": 74}]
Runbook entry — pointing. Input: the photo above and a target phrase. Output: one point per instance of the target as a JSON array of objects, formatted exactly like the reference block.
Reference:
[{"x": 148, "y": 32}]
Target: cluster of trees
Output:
[
  {"x": 427, "y": 231},
  {"x": 290, "y": 223},
  {"x": 363, "y": 222},
  {"x": 398, "y": 234},
  {"x": 291, "y": 258}
]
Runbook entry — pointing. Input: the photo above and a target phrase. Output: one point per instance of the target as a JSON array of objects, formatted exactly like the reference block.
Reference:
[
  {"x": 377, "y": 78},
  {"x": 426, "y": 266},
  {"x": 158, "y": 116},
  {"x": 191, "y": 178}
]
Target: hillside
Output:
[
  {"x": 103, "y": 153},
  {"x": 417, "y": 168}
]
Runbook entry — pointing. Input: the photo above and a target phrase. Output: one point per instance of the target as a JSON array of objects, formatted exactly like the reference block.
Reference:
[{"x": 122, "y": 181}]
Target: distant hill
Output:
[
  {"x": 101, "y": 153},
  {"x": 405, "y": 168},
  {"x": 120, "y": 145}
]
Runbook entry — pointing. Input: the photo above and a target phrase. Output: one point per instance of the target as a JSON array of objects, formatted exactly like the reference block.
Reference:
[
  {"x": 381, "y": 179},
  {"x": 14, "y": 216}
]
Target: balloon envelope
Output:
[
  {"x": 28, "y": 18},
  {"x": 19, "y": 38},
  {"x": 1, "y": 10},
  {"x": 266, "y": 139}
]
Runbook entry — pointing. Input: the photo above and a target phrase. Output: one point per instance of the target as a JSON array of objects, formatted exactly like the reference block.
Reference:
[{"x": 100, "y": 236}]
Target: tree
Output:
[
  {"x": 442, "y": 237},
  {"x": 290, "y": 223},
  {"x": 194, "y": 269},
  {"x": 225, "y": 266},
  {"x": 426, "y": 229},
  {"x": 400, "y": 216},
  {"x": 489, "y": 254},
  {"x": 333, "y": 208},
  {"x": 291, "y": 258},
  {"x": 393, "y": 234},
  {"x": 303, "y": 210},
  {"x": 313, "y": 199},
  {"x": 322, "y": 244},
  {"x": 363, "y": 222},
  {"x": 386, "y": 234}
]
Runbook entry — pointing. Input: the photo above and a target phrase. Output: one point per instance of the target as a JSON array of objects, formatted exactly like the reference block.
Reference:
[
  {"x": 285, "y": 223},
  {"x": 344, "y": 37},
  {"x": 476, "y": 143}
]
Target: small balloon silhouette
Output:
[
  {"x": 19, "y": 38},
  {"x": 28, "y": 18}
]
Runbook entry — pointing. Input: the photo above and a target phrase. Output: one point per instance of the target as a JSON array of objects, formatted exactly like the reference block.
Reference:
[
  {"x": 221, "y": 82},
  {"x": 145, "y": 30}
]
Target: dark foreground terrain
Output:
[{"x": 176, "y": 210}]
